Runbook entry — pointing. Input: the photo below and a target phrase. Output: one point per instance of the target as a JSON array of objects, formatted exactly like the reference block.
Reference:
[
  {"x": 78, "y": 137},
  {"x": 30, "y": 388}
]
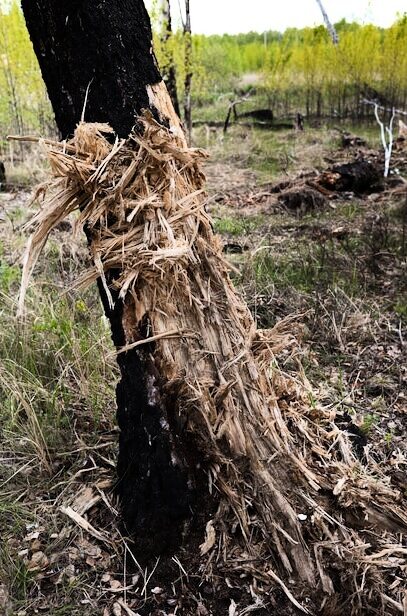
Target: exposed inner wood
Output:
[{"x": 160, "y": 99}]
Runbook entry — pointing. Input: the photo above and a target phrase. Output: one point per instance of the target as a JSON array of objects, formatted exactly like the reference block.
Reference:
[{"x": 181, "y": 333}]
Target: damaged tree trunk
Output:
[
  {"x": 204, "y": 411},
  {"x": 96, "y": 58}
]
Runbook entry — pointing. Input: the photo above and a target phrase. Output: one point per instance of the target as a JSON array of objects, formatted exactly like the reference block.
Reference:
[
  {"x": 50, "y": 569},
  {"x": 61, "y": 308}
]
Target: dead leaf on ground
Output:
[
  {"x": 4, "y": 597},
  {"x": 85, "y": 500},
  {"x": 117, "y": 610},
  {"x": 38, "y": 562}
]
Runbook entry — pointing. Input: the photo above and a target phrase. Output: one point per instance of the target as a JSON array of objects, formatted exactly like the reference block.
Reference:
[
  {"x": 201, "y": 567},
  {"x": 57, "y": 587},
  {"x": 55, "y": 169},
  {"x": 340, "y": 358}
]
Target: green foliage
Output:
[
  {"x": 18, "y": 578},
  {"x": 298, "y": 70},
  {"x": 401, "y": 309},
  {"x": 319, "y": 265},
  {"x": 237, "y": 226},
  {"x": 49, "y": 366},
  {"x": 369, "y": 421},
  {"x": 305, "y": 71},
  {"x": 24, "y": 103},
  {"x": 9, "y": 274}
]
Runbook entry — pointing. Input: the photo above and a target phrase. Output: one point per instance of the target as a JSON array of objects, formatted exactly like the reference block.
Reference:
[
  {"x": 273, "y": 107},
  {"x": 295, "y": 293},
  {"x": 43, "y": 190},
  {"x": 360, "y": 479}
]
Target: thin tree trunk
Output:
[
  {"x": 188, "y": 71},
  {"x": 168, "y": 69},
  {"x": 11, "y": 84},
  {"x": 319, "y": 104},
  {"x": 330, "y": 27}
]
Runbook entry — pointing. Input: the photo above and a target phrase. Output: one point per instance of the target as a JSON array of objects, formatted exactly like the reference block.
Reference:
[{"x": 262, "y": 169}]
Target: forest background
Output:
[{"x": 299, "y": 70}]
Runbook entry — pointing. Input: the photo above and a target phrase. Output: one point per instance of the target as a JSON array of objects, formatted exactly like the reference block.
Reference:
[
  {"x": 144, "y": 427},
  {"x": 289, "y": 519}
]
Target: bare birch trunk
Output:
[{"x": 329, "y": 26}]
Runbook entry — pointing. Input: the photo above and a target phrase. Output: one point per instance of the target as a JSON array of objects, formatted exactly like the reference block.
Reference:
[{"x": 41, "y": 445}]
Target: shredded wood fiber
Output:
[{"x": 271, "y": 455}]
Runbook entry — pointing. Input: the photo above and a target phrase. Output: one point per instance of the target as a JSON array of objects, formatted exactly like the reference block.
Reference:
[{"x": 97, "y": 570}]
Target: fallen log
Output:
[
  {"x": 351, "y": 141},
  {"x": 261, "y": 115}
]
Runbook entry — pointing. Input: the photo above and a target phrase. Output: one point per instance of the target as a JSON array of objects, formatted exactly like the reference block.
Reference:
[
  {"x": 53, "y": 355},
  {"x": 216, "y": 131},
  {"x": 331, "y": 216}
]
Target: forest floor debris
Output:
[
  {"x": 352, "y": 349},
  {"x": 343, "y": 266}
]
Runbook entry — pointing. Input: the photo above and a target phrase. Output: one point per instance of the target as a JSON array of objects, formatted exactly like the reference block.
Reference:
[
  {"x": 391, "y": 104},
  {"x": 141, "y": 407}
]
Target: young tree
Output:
[
  {"x": 167, "y": 64},
  {"x": 188, "y": 70},
  {"x": 210, "y": 430},
  {"x": 23, "y": 102}
]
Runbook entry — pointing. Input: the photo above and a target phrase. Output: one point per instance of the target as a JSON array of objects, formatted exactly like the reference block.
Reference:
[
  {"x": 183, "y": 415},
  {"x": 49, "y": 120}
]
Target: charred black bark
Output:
[
  {"x": 97, "y": 43},
  {"x": 154, "y": 495},
  {"x": 2, "y": 175},
  {"x": 105, "y": 47}
]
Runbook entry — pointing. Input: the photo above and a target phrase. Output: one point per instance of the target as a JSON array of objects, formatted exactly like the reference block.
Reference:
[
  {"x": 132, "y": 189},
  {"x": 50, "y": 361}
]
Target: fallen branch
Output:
[
  {"x": 387, "y": 145},
  {"x": 232, "y": 109},
  {"x": 381, "y": 108}
]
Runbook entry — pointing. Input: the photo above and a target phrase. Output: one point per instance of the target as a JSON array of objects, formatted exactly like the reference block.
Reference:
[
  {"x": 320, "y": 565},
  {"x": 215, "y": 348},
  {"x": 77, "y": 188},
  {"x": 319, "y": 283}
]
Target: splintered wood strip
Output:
[
  {"x": 139, "y": 343},
  {"x": 48, "y": 142},
  {"x": 293, "y": 600},
  {"x": 126, "y": 608},
  {"x": 85, "y": 525}
]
